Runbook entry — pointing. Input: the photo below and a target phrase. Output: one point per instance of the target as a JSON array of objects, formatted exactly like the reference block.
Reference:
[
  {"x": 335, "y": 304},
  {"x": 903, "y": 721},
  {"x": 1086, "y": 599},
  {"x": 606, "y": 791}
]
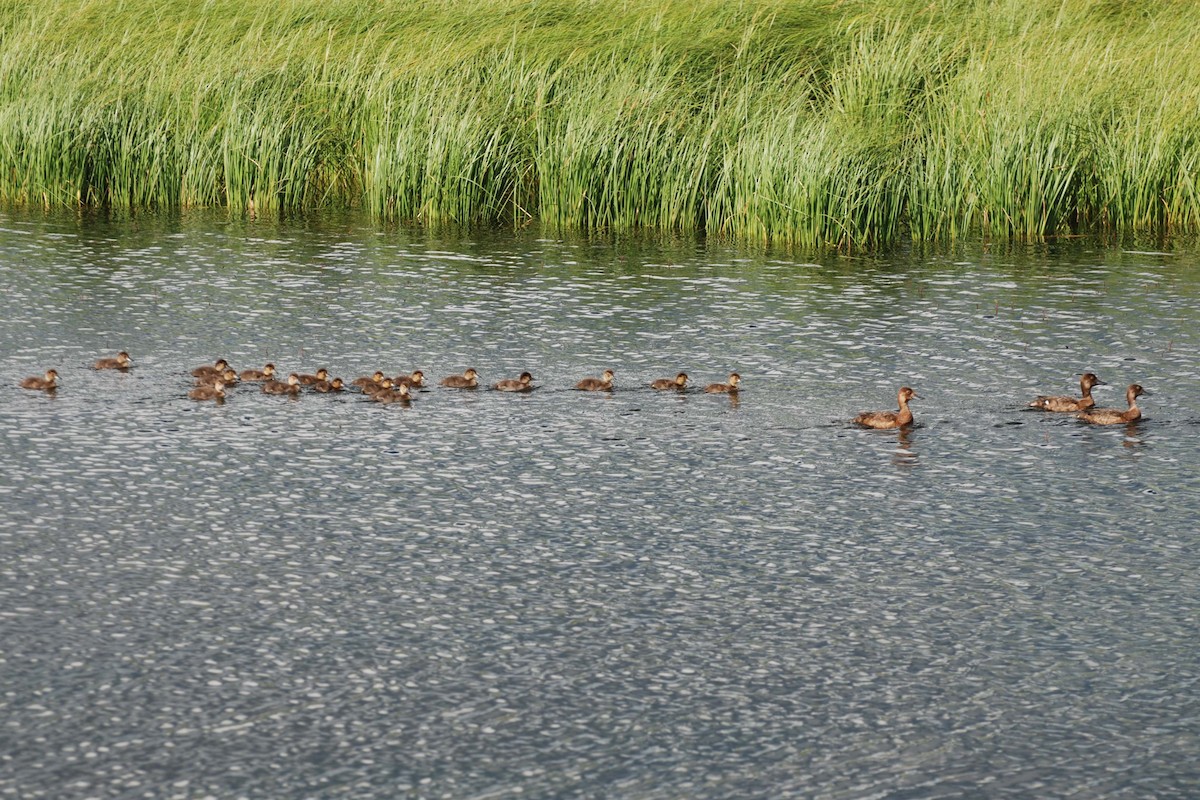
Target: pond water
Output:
[{"x": 565, "y": 594}]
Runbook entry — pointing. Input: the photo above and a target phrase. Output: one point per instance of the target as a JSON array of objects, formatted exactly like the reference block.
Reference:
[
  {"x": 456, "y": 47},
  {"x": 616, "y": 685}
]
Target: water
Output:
[{"x": 576, "y": 595}]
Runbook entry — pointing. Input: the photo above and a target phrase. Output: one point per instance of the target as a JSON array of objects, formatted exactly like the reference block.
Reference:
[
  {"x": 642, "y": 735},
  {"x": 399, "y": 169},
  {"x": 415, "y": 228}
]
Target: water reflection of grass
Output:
[{"x": 799, "y": 122}]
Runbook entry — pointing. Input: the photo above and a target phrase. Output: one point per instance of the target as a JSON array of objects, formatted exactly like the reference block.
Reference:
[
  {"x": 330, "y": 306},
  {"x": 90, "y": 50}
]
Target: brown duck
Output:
[
  {"x": 1062, "y": 403},
  {"x": 725, "y": 388},
  {"x": 1115, "y": 416},
  {"x": 602, "y": 384},
  {"x": 468, "y": 380},
  {"x": 121, "y": 362},
  {"x": 679, "y": 382},
  {"x": 521, "y": 384},
  {"x": 890, "y": 419},
  {"x": 46, "y": 383}
]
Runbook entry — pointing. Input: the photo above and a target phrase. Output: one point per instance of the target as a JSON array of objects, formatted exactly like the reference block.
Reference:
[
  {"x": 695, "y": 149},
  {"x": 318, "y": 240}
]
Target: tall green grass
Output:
[{"x": 795, "y": 122}]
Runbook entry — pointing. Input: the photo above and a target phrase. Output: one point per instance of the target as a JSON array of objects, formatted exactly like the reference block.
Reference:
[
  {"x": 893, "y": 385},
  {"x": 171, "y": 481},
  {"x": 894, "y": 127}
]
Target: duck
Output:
[
  {"x": 209, "y": 391},
  {"x": 334, "y": 385},
  {"x": 267, "y": 373},
  {"x": 1060, "y": 403},
  {"x": 212, "y": 370},
  {"x": 679, "y": 382},
  {"x": 121, "y": 362},
  {"x": 46, "y": 383},
  {"x": 273, "y": 386},
  {"x": 890, "y": 419},
  {"x": 397, "y": 395},
  {"x": 602, "y": 384},
  {"x": 725, "y": 388},
  {"x": 376, "y": 388},
  {"x": 228, "y": 377},
  {"x": 309, "y": 380},
  {"x": 1114, "y": 416},
  {"x": 413, "y": 380},
  {"x": 521, "y": 384},
  {"x": 468, "y": 380},
  {"x": 366, "y": 381}
]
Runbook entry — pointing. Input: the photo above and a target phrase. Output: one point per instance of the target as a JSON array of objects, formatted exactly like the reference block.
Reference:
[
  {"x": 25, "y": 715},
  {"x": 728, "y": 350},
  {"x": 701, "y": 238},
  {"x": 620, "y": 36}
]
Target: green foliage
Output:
[{"x": 798, "y": 122}]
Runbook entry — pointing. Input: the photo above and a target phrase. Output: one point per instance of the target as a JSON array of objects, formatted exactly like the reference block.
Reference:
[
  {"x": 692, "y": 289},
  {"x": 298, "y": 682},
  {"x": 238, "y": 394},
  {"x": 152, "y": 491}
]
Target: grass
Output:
[{"x": 790, "y": 122}]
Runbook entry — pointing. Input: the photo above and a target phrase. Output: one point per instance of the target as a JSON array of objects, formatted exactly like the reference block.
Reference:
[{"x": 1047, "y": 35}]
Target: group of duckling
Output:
[{"x": 213, "y": 379}]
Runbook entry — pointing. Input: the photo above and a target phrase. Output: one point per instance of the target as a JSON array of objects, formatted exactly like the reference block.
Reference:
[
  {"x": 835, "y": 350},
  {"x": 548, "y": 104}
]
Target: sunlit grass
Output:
[{"x": 791, "y": 122}]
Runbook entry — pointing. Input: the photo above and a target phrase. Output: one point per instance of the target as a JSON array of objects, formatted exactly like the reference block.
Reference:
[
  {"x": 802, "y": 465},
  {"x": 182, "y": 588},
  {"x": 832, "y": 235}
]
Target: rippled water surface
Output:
[{"x": 562, "y": 594}]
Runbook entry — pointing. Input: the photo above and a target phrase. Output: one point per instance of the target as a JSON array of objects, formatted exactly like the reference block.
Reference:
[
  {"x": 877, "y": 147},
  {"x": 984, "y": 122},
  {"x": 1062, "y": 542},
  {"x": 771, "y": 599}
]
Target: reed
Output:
[{"x": 804, "y": 123}]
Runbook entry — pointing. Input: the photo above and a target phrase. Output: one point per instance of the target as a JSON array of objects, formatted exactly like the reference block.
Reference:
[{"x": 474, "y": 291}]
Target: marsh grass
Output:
[{"x": 790, "y": 122}]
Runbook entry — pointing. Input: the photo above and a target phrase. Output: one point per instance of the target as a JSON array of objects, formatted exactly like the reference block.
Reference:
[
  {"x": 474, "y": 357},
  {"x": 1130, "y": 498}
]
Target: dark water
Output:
[{"x": 573, "y": 595}]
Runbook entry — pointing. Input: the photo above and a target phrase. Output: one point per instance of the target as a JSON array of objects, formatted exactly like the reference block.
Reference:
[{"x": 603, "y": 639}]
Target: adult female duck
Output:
[
  {"x": 1115, "y": 416},
  {"x": 890, "y": 419},
  {"x": 1061, "y": 403}
]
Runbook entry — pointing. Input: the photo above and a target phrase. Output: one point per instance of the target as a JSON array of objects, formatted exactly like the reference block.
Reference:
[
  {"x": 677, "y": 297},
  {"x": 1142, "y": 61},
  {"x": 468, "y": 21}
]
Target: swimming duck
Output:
[
  {"x": 374, "y": 388},
  {"x": 1114, "y": 416},
  {"x": 273, "y": 386},
  {"x": 397, "y": 395},
  {"x": 890, "y": 419},
  {"x": 47, "y": 383},
  {"x": 334, "y": 385},
  {"x": 521, "y": 384},
  {"x": 678, "y": 382},
  {"x": 211, "y": 370},
  {"x": 601, "y": 384},
  {"x": 121, "y": 362},
  {"x": 725, "y": 388},
  {"x": 267, "y": 373},
  {"x": 209, "y": 391},
  {"x": 228, "y": 377},
  {"x": 309, "y": 380},
  {"x": 468, "y": 380},
  {"x": 366, "y": 381},
  {"x": 1060, "y": 403},
  {"x": 414, "y": 380}
]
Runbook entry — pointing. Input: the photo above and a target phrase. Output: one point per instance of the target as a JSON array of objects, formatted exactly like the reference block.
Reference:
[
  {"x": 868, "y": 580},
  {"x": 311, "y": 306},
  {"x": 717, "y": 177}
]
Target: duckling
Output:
[
  {"x": 209, "y": 391},
  {"x": 334, "y": 385},
  {"x": 397, "y": 395},
  {"x": 121, "y": 362},
  {"x": 365, "y": 381},
  {"x": 725, "y": 388},
  {"x": 292, "y": 386},
  {"x": 1060, "y": 403},
  {"x": 1114, "y": 416},
  {"x": 521, "y": 384},
  {"x": 601, "y": 384},
  {"x": 468, "y": 380},
  {"x": 267, "y": 373},
  {"x": 375, "y": 388},
  {"x": 211, "y": 370},
  {"x": 47, "y": 383},
  {"x": 414, "y": 380},
  {"x": 309, "y": 380},
  {"x": 890, "y": 419},
  {"x": 228, "y": 378},
  {"x": 679, "y": 382}
]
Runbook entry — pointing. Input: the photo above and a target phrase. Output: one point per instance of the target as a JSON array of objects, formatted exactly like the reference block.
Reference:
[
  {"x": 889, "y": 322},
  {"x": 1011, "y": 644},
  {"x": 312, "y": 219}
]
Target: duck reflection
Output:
[
  {"x": 1134, "y": 438},
  {"x": 903, "y": 456}
]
